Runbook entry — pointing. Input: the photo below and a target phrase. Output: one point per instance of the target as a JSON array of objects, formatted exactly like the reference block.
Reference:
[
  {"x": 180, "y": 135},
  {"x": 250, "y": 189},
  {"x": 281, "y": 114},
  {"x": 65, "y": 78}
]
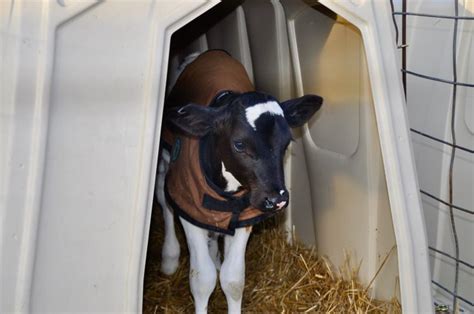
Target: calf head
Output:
[{"x": 251, "y": 132}]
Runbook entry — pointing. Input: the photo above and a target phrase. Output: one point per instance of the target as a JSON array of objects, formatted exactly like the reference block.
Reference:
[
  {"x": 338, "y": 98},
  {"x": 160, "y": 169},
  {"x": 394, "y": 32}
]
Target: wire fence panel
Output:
[{"x": 453, "y": 144}]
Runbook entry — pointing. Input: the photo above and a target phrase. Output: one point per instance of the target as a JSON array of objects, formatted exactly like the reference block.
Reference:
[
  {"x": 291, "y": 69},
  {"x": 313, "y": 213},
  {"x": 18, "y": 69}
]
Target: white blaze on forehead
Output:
[{"x": 254, "y": 112}]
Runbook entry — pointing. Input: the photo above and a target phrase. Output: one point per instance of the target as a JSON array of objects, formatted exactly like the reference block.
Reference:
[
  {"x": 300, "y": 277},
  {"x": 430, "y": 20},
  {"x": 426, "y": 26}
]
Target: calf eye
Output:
[{"x": 239, "y": 147}]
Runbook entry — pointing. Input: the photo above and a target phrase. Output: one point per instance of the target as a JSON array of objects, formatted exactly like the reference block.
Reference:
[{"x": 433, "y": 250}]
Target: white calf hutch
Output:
[{"x": 83, "y": 87}]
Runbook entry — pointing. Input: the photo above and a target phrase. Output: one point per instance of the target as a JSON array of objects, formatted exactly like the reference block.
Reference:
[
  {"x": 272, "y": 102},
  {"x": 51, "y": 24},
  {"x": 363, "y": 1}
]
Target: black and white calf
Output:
[{"x": 247, "y": 133}]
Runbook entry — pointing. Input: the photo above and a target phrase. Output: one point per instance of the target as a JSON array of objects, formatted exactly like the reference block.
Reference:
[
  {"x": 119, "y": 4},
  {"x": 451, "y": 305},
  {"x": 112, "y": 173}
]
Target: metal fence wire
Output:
[{"x": 454, "y": 147}]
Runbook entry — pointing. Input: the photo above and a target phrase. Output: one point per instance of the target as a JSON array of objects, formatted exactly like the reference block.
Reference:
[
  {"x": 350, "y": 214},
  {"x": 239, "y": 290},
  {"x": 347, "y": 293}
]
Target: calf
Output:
[{"x": 221, "y": 169}]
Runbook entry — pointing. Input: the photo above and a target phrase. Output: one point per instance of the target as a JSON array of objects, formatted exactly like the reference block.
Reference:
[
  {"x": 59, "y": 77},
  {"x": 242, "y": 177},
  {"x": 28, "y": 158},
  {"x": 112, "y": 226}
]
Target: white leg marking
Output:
[
  {"x": 232, "y": 275},
  {"x": 170, "y": 251},
  {"x": 232, "y": 183},
  {"x": 202, "y": 272},
  {"x": 254, "y": 112}
]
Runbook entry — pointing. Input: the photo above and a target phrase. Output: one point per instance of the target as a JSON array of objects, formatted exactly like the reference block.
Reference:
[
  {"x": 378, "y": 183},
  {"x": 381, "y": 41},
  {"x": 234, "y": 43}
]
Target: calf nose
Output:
[{"x": 277, "y": 202}]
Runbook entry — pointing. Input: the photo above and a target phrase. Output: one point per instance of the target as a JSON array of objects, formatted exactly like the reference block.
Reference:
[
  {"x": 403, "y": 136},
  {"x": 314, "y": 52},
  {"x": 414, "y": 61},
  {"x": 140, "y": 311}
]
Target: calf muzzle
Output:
[{"x": 276, "y": 202}]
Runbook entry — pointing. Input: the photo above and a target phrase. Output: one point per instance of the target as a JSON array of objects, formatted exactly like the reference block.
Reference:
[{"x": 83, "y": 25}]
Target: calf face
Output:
[{"x": 252, "y": 132}]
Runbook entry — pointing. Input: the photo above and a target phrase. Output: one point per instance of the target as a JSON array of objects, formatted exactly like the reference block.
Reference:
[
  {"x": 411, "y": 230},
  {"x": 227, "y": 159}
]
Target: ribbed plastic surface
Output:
[{"x": 83, "y": 85}]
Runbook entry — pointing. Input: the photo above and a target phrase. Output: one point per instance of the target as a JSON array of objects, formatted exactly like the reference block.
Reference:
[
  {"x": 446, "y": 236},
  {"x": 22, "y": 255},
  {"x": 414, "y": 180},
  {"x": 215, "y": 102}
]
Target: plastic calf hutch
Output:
[{"x": 83, "y": 85}]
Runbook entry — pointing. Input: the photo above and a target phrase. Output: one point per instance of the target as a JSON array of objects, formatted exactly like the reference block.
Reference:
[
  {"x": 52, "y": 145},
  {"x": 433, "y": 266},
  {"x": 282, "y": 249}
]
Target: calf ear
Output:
[
  {"x": 193, "y": 119},
  {"x": 299, "y": 110}
]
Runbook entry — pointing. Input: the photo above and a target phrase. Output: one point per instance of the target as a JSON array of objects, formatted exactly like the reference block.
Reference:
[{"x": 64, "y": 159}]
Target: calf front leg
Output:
[
  {"x": 232, "y": 274},
  {"x": 170, "y": 251},
  {"x": 202, "y": 271}
]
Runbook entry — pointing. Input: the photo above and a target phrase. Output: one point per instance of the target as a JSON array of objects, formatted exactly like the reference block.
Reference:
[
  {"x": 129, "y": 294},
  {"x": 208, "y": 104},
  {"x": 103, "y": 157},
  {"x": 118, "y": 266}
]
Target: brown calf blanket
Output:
[{"x": 191, "y": 194}]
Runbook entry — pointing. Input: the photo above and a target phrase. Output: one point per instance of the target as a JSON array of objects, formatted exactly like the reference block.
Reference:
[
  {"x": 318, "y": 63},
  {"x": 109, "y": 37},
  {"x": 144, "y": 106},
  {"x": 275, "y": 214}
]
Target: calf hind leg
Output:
[
  {"x": 170, "y": 251},
  {"x": 202, "y": 271},
  {"x": 213, "y": 245},
  {"x": 232, "y": 274}
]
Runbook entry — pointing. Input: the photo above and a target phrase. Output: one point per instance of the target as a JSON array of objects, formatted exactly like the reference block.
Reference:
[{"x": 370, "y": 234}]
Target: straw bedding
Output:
[{"x": 280, "y": 278}]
